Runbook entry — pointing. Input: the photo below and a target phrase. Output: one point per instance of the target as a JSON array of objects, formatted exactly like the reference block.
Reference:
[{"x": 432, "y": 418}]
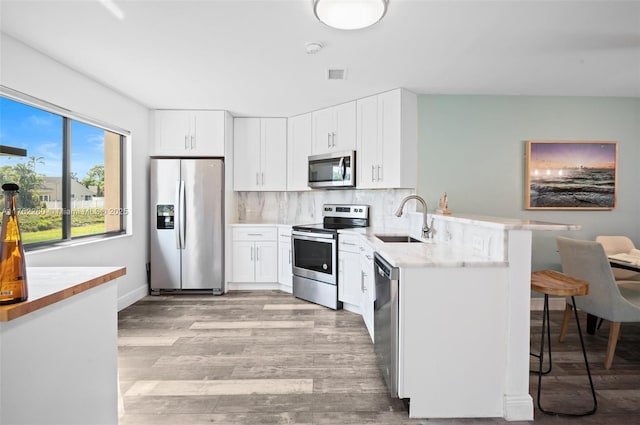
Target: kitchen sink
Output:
[{"x": 397, "y": 238}]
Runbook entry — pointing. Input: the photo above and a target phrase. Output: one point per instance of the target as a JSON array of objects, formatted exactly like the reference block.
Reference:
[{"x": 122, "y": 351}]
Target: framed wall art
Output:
[{"x": 571, "y": 175}]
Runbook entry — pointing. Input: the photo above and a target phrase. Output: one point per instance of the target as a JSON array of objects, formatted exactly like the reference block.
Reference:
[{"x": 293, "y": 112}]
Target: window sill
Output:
[{"x": 89, "y": 240}]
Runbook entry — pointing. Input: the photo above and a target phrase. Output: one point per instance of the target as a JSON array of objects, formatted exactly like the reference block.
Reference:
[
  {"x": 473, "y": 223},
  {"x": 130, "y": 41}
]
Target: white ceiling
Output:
[{"x": 248, "y": 57}]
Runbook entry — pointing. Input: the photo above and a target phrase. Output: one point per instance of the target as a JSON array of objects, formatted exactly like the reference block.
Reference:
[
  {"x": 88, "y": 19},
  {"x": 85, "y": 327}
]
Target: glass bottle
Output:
[{"x": 13, "y": 271}]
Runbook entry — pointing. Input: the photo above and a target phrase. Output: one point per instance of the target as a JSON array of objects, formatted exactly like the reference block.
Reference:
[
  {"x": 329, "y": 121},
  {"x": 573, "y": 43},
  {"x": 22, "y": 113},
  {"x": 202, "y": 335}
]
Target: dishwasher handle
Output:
[{"x": 383, "y": 268}]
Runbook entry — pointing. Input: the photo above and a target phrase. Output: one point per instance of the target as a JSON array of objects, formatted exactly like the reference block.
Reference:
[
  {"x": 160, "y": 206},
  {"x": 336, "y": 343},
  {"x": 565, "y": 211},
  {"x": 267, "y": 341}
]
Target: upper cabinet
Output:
[
  {"x": 188, "y": 133},
  {"x": 387, "y": 140},
  {"x": 298, "y": 151},
  {"x": 260, "y": 154},
  {"x": 334, "y": 129}
]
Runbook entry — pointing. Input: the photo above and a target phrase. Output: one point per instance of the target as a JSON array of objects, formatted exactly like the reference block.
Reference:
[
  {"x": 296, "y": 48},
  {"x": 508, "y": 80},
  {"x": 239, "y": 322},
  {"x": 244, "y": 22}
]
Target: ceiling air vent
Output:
[{"x": 337, "y": 74}]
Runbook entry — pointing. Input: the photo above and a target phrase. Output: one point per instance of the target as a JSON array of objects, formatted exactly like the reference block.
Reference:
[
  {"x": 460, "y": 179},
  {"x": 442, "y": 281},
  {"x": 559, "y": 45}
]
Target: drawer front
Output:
[
  {"x": 349, "y": 243},
  {"x": 284, "y": 232},
  {"x": 258, "y": 233}
]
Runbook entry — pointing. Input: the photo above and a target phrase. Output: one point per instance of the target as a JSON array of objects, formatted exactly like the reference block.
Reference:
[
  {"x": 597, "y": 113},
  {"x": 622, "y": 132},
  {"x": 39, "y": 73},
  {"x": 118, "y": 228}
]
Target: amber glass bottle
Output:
[{"x": 13, "y": 271}]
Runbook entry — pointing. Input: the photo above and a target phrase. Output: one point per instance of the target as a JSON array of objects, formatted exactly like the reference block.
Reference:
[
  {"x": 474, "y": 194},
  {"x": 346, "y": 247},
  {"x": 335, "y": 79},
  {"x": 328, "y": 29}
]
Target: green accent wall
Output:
[{"x": 473, "y": 148}]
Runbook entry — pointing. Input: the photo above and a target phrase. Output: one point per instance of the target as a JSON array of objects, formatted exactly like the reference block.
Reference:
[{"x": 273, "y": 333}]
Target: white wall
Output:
[
  {"x": 26, "y": 70},
  {"x": 473, "y": 148}
]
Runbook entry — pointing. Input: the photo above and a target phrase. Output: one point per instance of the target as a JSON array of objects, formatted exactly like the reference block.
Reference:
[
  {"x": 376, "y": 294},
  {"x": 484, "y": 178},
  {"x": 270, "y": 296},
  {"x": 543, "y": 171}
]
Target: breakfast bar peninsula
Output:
[{"x": 59, "y": 350}]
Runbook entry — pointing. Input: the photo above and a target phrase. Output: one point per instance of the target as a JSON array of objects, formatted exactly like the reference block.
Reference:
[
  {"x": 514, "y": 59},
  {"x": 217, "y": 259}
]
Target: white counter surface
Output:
[
  {"x": 49, "y": 285},
  {"x": 429, "y": 253},
  {"x": 265, "y": 223},
  {"x": 507, "y": 223}
]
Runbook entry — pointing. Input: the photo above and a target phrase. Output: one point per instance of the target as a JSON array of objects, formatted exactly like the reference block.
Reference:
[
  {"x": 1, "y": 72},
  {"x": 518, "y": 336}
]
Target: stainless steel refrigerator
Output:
[{"x": 187, "y": 238}]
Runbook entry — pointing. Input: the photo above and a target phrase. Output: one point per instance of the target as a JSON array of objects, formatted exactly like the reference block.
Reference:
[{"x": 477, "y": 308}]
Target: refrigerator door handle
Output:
[{"x": 181, "y": 223}]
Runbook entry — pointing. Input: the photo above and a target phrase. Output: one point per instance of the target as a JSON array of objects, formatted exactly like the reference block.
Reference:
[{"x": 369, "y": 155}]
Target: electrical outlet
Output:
[{"x": 477, "y": 243}]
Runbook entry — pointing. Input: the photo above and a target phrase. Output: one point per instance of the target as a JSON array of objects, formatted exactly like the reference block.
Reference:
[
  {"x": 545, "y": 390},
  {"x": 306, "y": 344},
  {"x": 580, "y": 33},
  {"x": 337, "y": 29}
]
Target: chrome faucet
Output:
[{"x": 426, "y": 230}]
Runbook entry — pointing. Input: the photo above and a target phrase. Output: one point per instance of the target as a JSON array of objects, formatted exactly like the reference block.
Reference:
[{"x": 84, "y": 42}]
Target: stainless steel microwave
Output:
[{"x": 334, "y": 170}]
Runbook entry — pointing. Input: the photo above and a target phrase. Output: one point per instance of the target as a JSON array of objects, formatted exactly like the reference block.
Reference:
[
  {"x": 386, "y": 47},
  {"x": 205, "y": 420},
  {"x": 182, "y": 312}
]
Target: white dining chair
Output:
[
  {"x": 616, "y": 245},
  {"x": 616, "y": 302}
]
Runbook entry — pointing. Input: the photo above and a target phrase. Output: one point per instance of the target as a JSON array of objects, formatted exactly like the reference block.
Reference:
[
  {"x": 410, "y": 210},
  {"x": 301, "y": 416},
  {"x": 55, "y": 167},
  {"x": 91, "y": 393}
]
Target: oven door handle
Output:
[{"x": 310, "y": 236}]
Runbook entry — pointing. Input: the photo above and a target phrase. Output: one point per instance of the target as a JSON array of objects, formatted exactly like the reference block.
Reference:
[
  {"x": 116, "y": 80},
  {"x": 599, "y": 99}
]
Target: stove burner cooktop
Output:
[{"x": 338, "y": 217}]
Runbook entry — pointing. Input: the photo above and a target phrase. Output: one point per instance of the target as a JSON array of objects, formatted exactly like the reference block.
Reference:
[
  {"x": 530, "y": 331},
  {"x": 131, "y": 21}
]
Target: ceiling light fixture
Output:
[{"x": 349, "y": 14}]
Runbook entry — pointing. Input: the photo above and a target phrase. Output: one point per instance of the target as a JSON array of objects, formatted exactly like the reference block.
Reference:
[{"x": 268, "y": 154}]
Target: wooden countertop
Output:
[{"x": 48, "y": 285}]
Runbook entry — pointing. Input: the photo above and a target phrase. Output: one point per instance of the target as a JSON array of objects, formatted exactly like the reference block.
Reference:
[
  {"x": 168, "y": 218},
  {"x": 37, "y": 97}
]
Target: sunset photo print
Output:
[{"x": 571, "y": 174}]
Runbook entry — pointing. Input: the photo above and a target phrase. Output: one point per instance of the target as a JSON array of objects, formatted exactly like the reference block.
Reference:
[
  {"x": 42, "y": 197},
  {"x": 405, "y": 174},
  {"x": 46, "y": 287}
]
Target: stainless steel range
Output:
[{"x": 315, "y": 253}]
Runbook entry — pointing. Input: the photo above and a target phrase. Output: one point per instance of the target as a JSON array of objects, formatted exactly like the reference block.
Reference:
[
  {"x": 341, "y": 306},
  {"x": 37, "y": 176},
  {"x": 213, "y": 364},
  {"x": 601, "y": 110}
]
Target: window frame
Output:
[{"x": 68, "y": 117}]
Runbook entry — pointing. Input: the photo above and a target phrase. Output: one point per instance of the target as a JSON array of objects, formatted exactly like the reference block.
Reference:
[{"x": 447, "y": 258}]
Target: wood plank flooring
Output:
[{"x": 265, "y": 357}]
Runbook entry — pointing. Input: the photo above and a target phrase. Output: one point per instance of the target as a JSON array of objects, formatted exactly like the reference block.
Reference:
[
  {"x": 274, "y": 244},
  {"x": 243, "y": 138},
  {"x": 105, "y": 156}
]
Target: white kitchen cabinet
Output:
[
  {"x": 255, "y": 254},
  {"x": 368, "y": 286},
  {"x": 334, "y": 128},
  {"x": 349, "y": 271},
  {"x": 387, "y": 140},
  {"x": 188, "y": 133},
  {"x": 298, "y": 151},
  {"x": 260, "y": 154},
  {"x": 285, "y": 273}
]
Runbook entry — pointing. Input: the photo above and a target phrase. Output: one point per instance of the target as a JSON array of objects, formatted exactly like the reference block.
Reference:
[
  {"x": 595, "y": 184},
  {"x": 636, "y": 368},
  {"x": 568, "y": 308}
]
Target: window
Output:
[{"x": 71, "y": 181}]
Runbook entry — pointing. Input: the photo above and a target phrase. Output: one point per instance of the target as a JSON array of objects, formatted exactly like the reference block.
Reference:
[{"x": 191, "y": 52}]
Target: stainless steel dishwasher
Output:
[{"x": 385, "y": 319}]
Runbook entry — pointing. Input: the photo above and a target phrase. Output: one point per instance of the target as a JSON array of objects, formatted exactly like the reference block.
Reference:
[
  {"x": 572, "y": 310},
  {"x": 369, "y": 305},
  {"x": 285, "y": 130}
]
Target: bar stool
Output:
[{"x": 551, "y": 282}]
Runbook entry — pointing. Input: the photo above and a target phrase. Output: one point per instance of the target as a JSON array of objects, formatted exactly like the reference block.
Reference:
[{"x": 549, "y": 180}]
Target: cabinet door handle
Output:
[
  {"x": 251, "y": 253},
  {"x": 361, "y": 281},
  {"x": 254, "y": 234},
  {"x": 262, "y": 178},
  {"x": 379, "y": 172},
  {"x": 348, "y": 243},
  {"x": 328, "y": 140},
  {"x": 289, "y": 256},
  {"x": 373, "y": 170},
  {"x": 257, "y": 182},
  {"x": 257, "y": 254},
  {"x": 333, "y": 139},
  {"x": 186, "y": 143},
  {"x": 193, "y": 140}
]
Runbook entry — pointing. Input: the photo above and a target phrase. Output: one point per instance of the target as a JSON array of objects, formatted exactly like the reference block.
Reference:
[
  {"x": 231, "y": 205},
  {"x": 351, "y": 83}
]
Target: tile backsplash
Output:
[{"x": 306, "y": 207}]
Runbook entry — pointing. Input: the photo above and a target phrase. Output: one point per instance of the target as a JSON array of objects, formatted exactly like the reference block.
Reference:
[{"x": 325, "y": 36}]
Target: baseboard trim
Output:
[
  {"x": 537, "y": 304},
  {"x": 518, "y": 407},
  {"x": 352, "y": 308},
  {"x": 252, "y": 286},
  {"x": 131, "y": 297}
]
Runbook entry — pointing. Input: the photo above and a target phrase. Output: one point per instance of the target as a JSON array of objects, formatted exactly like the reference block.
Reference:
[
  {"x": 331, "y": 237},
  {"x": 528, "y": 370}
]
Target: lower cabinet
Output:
[
  {"x": 349, "y": 271},
  {"x": 285, "y": 275},
  {"x": 255, "y": 254},
  {"x": 368, "y": 286},
  {"x": 356, "y": 281}
]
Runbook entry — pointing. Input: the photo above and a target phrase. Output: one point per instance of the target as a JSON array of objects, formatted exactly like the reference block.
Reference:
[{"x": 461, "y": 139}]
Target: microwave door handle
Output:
[{"x": 343, "y": 168}]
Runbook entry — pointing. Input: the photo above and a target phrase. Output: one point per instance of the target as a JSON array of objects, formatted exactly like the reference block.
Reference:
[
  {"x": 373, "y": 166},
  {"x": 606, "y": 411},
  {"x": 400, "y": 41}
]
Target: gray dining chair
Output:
[
  {"x": 616, "y": 245},
  {"x": 616, "y": 303}
]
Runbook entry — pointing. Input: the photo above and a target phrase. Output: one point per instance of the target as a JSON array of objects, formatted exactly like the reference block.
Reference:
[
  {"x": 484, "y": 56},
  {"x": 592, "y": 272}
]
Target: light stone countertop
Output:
[
  {"x": 506, "y": 223},
  {"x": 429, "y": 253},
  {"x": 265, "y": 223},
  {"x": 435, "y": 253},
  {"x": 438, "y": 253}
]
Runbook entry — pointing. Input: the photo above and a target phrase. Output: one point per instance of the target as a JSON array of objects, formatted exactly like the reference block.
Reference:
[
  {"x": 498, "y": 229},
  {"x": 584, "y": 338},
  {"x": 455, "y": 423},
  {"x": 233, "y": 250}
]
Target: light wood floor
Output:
[{"x": 264, "y": 357}]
